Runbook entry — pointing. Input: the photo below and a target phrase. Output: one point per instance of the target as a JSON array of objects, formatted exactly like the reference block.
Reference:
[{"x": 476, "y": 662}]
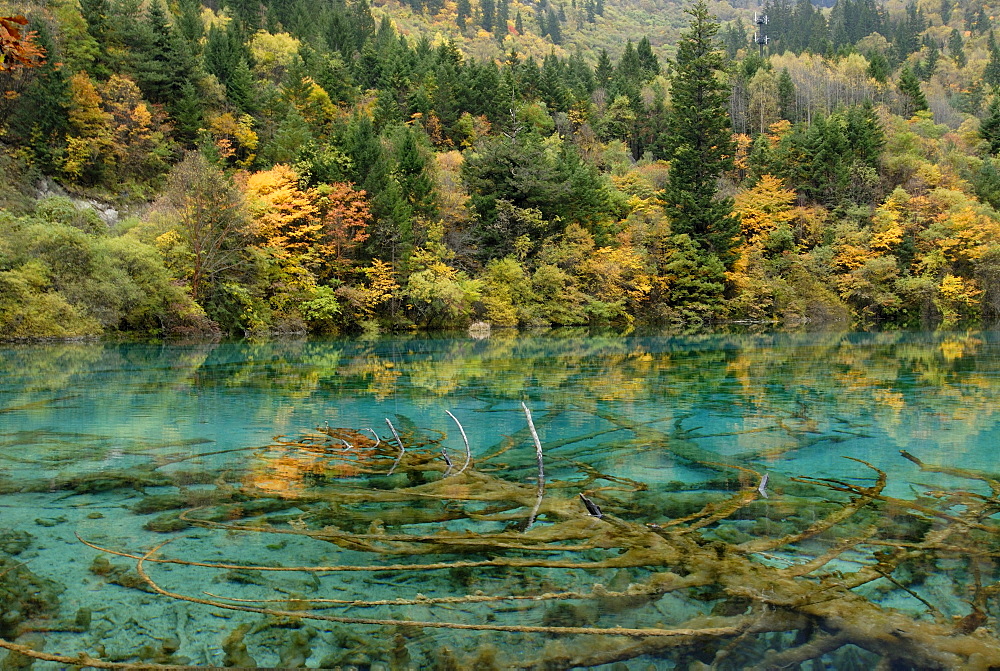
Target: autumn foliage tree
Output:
[
  {"x": 344, "y": 216},
  {"x": 18, "y": 48}
]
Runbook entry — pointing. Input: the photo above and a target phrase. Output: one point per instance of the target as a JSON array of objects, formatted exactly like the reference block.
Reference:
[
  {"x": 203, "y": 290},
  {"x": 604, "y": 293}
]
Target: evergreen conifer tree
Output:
[
  {"x": 224, "y": 49},
  {"x": 604, "y": 70},
  {"x": 463, "y": 11},
  {"x": 786, "y": 96},
  {"x": 648, "y": 62},
  {"x": 97, "y": 14},
  {"x": 913, "y": 98},
  {"x": 167, "y": 62},
  {"x": 989, "y": 128},
  {"x": 187, "y": 114},
  {"x": 992, "y": 73},
  {"x": 555, "y": 30},
  {"x": 956, "y": 47},
  {"x": 503, "y": 15},
  {"x": 189, "y": 24},
  {"x": 699, "y": 141},
  {"x": 241, "y": 88},
  {"x": 543, "y": 24},
  {"x": 412, "y": 174},
  {"x": 878, "y": 66},
  {"x": 487, "y": 14}
]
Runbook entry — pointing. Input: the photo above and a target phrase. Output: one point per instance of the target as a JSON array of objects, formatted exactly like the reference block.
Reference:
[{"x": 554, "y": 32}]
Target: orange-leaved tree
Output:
[
  {"x": 344, "y": 215},
  {"x": 17, "y": 46}
]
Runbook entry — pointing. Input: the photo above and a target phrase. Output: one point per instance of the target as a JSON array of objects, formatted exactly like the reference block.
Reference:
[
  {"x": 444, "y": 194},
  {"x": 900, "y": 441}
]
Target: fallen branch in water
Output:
[{"x": 540, "y": 490}]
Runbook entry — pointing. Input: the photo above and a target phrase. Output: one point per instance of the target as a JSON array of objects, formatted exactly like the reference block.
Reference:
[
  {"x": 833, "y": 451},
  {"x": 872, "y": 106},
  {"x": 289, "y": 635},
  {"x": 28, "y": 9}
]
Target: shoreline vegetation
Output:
[{"x": 259, "y": 168}]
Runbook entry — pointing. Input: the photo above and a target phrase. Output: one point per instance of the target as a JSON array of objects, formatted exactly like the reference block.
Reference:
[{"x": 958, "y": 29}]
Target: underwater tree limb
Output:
[
  {"x": 621, "y": 561},
  {"x": 554, "y": 630},
  {"x": 831, "y": 554},
  {"x": 966, "y": 473},
  {"x": 867, "y": 495},
  {"x": 83, "y": 660},
  {"x": 817, "y": 646}
]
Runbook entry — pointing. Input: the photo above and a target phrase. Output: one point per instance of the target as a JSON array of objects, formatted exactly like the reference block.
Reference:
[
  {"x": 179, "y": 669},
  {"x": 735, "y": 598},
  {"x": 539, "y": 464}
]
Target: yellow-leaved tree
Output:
[{"x": 765, "y": 213}]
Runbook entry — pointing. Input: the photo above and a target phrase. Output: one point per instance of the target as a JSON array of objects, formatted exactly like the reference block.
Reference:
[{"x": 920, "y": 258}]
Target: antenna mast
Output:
[{"x": 759, "y": 37}]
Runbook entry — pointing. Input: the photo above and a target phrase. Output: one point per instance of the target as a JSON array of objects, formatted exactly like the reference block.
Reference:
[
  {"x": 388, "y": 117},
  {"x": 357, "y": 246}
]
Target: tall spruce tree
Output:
[
  {"x": 699, "y": 140},
  {"x": 991, "y": 75},
  {"x": 604, "y": 70},
  {"x": 786, "y": 96},
  {"x": 98, "y": 16},
  {"x": 463, "y": 12},
  {"x": 989, "y": 128},
  {"x": 647, "y": 59},
  {"x": 913, "y": 99}
]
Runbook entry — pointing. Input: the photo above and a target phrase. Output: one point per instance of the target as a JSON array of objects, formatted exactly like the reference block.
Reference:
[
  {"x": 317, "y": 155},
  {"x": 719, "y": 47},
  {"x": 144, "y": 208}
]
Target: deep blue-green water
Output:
[{"x": 109, "y": 443}]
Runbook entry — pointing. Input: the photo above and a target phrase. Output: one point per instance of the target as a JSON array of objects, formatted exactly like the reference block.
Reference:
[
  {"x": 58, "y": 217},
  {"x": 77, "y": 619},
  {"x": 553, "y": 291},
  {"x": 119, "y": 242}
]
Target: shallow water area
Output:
[{"x": 242, "y": 504}]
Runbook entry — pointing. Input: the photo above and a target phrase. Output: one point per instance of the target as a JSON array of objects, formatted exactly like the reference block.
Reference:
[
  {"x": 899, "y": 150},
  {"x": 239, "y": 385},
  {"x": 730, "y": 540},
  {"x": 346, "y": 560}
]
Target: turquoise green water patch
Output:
[{"x": 517, "y": 502}]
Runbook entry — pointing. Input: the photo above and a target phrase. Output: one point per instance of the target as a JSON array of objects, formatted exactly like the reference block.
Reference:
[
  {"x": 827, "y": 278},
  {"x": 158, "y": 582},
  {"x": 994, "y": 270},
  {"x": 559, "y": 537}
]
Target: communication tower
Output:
[{"x": 759, "y": 37}]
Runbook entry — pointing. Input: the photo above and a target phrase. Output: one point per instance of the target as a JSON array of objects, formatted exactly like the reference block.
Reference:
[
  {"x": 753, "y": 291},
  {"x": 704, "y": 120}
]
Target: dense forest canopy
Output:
[{"x": 255, "y": 166}]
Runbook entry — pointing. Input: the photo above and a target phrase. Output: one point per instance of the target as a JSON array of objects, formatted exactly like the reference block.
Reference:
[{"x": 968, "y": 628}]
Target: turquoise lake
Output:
[{"x": 250, "y": 459}]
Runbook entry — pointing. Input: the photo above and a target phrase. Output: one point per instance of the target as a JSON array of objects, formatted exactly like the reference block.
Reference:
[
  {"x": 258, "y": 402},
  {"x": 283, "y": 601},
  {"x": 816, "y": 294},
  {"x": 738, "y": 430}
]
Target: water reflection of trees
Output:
[{"x": 765, "y": 386}]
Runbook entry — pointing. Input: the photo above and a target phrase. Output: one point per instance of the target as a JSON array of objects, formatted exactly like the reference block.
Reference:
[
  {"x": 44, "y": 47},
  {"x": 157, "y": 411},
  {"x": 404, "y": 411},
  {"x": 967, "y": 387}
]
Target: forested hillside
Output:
[{"x": 262, "y": 166}]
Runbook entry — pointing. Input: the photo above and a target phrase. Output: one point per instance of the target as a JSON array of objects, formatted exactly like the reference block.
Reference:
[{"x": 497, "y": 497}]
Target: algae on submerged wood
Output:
[{"x": 716, "y": 575}]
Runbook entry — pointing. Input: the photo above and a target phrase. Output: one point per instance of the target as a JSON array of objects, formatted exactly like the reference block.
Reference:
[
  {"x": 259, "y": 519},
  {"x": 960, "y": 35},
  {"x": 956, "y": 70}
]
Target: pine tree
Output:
[
  {"x": 167, "y": 64},
  {"x": 992, "y": 73},
  {"x": 555, "y": 30},
  {"x": 247, "y": 12},
  {"x": 913, "y": 98},
  {"x": 648, "y": 62},
  {"x": 700, "y": 141},
  {"x": 946, "y": 9},
  {"x": 979, "y": 21},
  {"x": 908, "y": 31},
  {"x": 503, "y": 15},
  {"x": 519, "y": 24},
  {"x": 241, "y": 88},
  {"x": 956, "y": 47},
  {"x": 603, "y": 71},
  {"x": 864, "y": 133},
  {"x": 543, "y": 25},
  {"x": 989, "y": 128},
  {"x": 97, "y": 14},
  {"x": 187, "y": 114},
  {"x": 412, "y": 175},
  {"x": 628, "y": 73},
  {"x": 786, "y": 96},
  {"x": 224, "y": 49},
  {"x": 878, "y": 66},
  {"x": 928, "y": 66},
  {"x": 464, "y": 11},
  {"x": 734, "y": 37},
  {"x": 189, "y": 24},
  {"x": 487, "y": 14}
]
